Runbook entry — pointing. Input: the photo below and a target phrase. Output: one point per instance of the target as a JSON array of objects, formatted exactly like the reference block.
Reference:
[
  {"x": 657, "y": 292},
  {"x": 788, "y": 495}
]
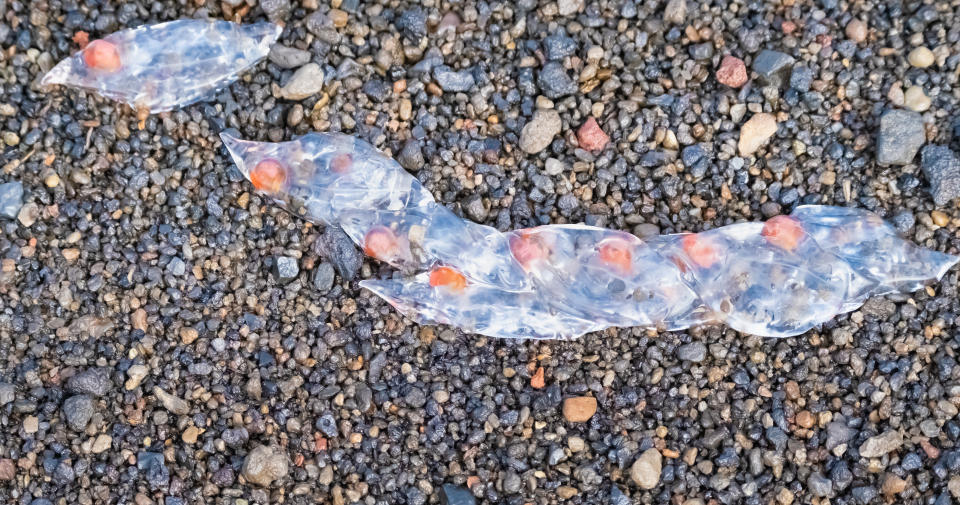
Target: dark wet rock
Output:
[
  {"x": 413, "y": 23},
  {"x": 323, "y": 277},
  {"x": 338, "y": 249},
  {"x": 451, "y": 80},
  {"x": 8, "y": 393},
  {"x": 411, "y": 157},
  {"x": 473, "y": 207},
  {"x": 772, "y": 66},
  {"x": 154, "y": 469},
  {"x": 901, "y": 136},
  {"x": 77, "y": 410},
  {"x": 942, "y": 170},
  {"x": 558, "y": 46},
  {"x": 554, "y": 81},
  {"x": 456, "y": 495},
  {"x": 93, "y": 381}
]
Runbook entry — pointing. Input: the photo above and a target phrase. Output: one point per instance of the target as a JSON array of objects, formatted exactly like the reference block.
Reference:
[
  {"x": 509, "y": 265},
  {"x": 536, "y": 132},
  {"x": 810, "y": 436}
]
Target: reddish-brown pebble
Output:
[
  {"x": 591, "y": 137},
  {"x": 732, "y": 72}
]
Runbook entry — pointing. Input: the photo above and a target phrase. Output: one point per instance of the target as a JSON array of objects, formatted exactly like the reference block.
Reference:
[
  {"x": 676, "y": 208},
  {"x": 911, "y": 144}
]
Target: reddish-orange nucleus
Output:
[
  {"x": 341, "y": 163},
  {"x": 381, "y": 243},
  {"x": 701, "y": 251},
  {"x": 616, "y": 254},
  {"x": 269, "y": 175},
  {"x": 527, "y": 248},
  {"x": 102, "y": 55},
  {"x": 447, "y": 277},
  {"x": 784, "y": 232}
]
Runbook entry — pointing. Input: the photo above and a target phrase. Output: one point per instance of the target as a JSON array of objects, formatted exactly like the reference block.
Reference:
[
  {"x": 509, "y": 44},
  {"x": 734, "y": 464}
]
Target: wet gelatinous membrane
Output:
[
  {"x": 168, "y": 65},
  {"x": 778, "y": 278}
]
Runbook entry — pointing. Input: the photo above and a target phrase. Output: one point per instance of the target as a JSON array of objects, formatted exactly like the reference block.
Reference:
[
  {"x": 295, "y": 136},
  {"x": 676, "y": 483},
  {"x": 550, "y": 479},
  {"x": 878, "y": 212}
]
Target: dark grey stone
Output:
[
  {"x": 772, "y": 66},
  {"x": 554, "y": 81},
  {"x": 323, "y": 276},
  {"x": 338, "y": 249},
  {"x": 11, "y": 199},
  {"x": 77, "y": 410},
  {"x": 942, "y": 170},
  {"x": 285, "y": 269},
  {"x": 558, "y": 46},
  {"x": 901, "y": 136},
  {"x": 451, "y": 80},
  {"x": 456, "y": 495},
  {"x": 93, "y": 381}
]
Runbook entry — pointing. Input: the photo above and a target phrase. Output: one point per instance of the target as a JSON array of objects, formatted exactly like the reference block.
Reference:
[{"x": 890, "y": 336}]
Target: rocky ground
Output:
[{"x": 167, "y": 336}]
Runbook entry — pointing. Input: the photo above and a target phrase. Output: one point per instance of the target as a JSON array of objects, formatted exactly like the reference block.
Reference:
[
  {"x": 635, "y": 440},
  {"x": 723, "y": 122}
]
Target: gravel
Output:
[
  {"x": 138, "y": 257},
  {"x": 11, "y": 199},
  {"x": 305, "y": 82}
]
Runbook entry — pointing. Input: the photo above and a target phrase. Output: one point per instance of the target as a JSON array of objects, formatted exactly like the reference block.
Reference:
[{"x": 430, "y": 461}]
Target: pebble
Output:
[
  {"x": 323, "y": 277},
  {"x": 856, "y": 30},
  {"x": 285, "y": 269},
  {"x": 11, "y": 199},
  {"x": 579, "y": 409},
  {"x": 288, "y": 57},
  {"x": 916, "y": 100},
  {"x": 77, "y": 410},
  {"x": 190, "y": 434},
  {"x": 101, "y": 443},
  {"x": 337, "y": 248},
  {"x": 675, "y": 12},
  {"x": 772, "y": 66},
  {"x": 558, "y": 46},
  {"x": 921, "y": 57},
  {"x": 31, "y": 424},
  {"x": 900, "y": 137},
  {"x": 305, "y": 82},
  {"x": 453, "y": 81},
  {"x": 154, "y": 469},
  {"x": 540, "y": 131},
  {"x": 264, "y": 465},
  {"x": 591, "y": 137},
  {"x": 555, "y": 82},
  {"x": 174, "y": 404},
  {"x": 569, "y": 7},
  {"x": 877, "y": 446},
  {"x": 456, "y": 495},
  {"x": 8, "y": 393},
  {"x": 694, "y": 352},
  {"x": 28, "y": 214},
  {"x": 473, "y": 207},
  {"x": 411, "y": 156},
  {"x": 8, "y": 471},
  {"x": 819, "y": 485},
  {"x": 893, "y": 484},
  {"x": 941, "y": 167},
  {"x": 93, "y": 381},
  {"x": 732, "y": 72},
  {"x": 645, "y": 471},
  {"x": 755, "y": 133}
]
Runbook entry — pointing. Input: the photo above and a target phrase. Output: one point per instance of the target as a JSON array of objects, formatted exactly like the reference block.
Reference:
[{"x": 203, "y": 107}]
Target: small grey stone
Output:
[
  {"x": 512, "y": 482},
  {"x": 11, "y": 199},
  {"x": 451, "y": 80},
  {"x": 305, "y": 82},
  {"x": 838, "y": 433},
  {"x": 694, "y": 351},
  {"x": 675, "y": 12},
  {"x": 929, "y": 428},
  {"x": 875, "y": 447},
  {"x": 901, "y": 136},
  {"x": 554, "y": 81},
  {"x": 288, "y": 57},
  {"x": 617, "y": 497},
  {"x": 771, "y": 66},
  {"x": 569, "y": 7},
  {"x": 702, "y": 51},
  {"x": 904, "y": 221},
  {"x": 411, "y": 157},
  {"x": 942, "y": 170},
  {"x": 285, "y": 269},
  {"x": 337, "y": 248},
  {"x": 8, "y": 393},
  {"x": 801, "y": 78},
  {"x": 176, "y": 266},
  {"x": 93, "y": 381},
  {"x": 474, "y": 208},
  {"x": 413, "y": 23},
  {"x": 540, "y": 131},
  {"x": 78, "y": 410},
  {"x": 323, "y": 276},
  {"x": 819, "y": 485},
  {"x": 456, "y": 495},
  {"x": 173, "y": 403},
  {"x": 275, "y": 9},
  {"x": 328, "y": 425},
  {"x": 558, "y": 46},
  {"x": 153, "y": 467}
]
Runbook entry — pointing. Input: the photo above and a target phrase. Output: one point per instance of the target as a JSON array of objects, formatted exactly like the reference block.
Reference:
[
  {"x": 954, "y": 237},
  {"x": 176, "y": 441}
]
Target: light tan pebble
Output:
[
  {"x": 921, "y": 57},
  {"x": 916, "y": 100}
]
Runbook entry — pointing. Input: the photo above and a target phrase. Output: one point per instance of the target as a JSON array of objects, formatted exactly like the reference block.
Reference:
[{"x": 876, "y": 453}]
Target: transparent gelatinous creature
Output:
[
  {"x": 168, "y": 65},
  {"x": 778, "y": 278}
]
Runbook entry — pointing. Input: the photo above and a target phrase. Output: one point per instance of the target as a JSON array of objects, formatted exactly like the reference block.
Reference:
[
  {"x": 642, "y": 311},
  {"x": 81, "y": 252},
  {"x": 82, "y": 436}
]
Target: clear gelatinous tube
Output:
[
  {"x": 168, "y": 65},
  {"x": 777, "y": 278}
]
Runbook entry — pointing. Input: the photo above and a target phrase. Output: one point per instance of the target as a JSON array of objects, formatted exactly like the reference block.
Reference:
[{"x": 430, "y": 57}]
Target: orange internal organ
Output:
[
  {"x": 381, "y": 243},
  {"x": 448, "y": 277},
  {"x": 341, "y": 163},
  {"x": 616, "y": 253},
  {"x": 102, "y": 55},
  {"x": 700, "y": 251},
  {"x": 784, "y": 232},
  {"x": 269, "y": 175},
  {"x": 527, "y": 249}
]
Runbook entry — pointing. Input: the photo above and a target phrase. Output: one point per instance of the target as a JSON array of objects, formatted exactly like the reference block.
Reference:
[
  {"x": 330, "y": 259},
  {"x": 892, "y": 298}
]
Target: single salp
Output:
[
  {"x": 340, "y": 180},
  {"x": 168, "y": 65},
  {"x": 778, "y": 278}
]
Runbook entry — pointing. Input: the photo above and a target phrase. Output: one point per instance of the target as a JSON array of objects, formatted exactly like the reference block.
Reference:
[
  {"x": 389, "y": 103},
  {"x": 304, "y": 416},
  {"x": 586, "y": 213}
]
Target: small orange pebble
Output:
[
  {"x": 616, "y": 253},
  {"x": 102, "y": 55},
  {"x": 446, "y": 276},
  {"x": 703, "y": 253},
  {"x": 472, "y": 480},
  {"x": 269, "y": 175},
  {"x": 784, "y": 232},
  {"x": 81, "y": 38},
  {"x": 341, "y": 163},
  {"x": 380, "y": 243},
  {"x": 526, "y": 248},
  {"x": 537, "y": 381}
]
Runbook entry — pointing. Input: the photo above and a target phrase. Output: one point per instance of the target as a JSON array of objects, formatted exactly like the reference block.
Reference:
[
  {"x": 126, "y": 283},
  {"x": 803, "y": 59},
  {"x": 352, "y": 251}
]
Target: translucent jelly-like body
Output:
[
  {"x": 168, "y": 65},
  {"x": 779, "y": 278}
]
